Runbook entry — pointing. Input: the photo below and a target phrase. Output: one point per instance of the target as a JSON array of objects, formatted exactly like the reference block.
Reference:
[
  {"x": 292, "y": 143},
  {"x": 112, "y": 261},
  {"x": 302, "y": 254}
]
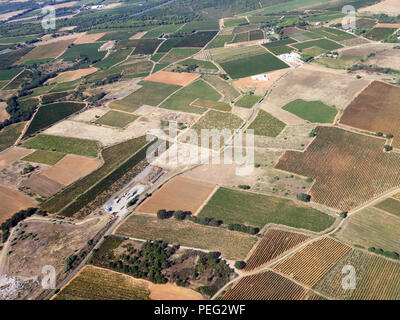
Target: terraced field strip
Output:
[
  {"x": 312, "y": 262},
  {"x": 265, "y": 286},
  {"x": 273, "y": 244}
]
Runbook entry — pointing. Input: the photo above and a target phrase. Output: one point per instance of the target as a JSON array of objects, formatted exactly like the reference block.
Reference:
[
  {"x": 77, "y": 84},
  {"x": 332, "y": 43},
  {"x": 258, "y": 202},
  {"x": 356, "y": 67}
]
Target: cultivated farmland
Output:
[
  {"x": 265, "y": 286},
  {"x": 231, "y": 244},
  {"x": 253, "y": 209},
  {"x": 312, "y": 262},
  {"x": 376, "y": 278},
  {"x": 348, "y": 168},
  {"x": 273, "y": 244},
  {"x": 116, "y": 119},
  {"x": 390, "y": 205},
  {"x": 266, "y": 125},
  {"x": 313, "y": 111},
  {"x": 173, "y": 78},
  {"x": 192, "y": 195},
  {"x": 375, "y": 109}
]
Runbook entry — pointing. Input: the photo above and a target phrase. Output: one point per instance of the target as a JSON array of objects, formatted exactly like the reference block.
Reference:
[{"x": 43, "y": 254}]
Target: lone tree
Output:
[
  {"x": 379, "y": 134},
  {"x": 343, "y": 214},
  {"x": 240, "y": 264},
  {"x": 387, "y": 148},
  {"x": 389, "y": 136},
  {"x": 303, "y": 197}
]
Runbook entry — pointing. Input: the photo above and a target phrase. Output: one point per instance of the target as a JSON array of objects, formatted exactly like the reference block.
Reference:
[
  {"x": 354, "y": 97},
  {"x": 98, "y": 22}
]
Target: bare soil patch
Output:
[
  {"x": 12, "y": 201},
  {"x": 254, "y": 83},
  {"x": 41, "y": 185},
  {"x": 180, "y": 193},
  {"x": 180, "y": 79},
  {"x": 3, "y": 112},
  {"x": 73, "y": 75},
  {"x": 7, "y": 157},
  {"x": 171, "y": 291},
  {"x": 389, "y": 7},
  {"x": 71, "y": 168},
  {"x": 88, "y": 38}
]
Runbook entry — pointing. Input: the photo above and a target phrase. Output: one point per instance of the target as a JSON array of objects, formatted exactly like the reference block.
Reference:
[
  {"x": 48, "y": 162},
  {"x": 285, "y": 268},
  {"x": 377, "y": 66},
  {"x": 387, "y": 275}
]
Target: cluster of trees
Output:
[
  {"x": 69, "y": 262},
  {"x": 17, "y": 112},
  {"x": 148, "y": 262},
  {"x": 244, "y": 186},
  {"x": 16, "y": 218},
  {"x": 178, "y": 214},
  {"x": 303, "y": 197},
  {"x": 240, "y": 264},
  {"x": 109, "y": 79},
  {"x": 388, "y": 254},
  {"x": 206, "y": 221},
  {"x": 243, "y": 228}
]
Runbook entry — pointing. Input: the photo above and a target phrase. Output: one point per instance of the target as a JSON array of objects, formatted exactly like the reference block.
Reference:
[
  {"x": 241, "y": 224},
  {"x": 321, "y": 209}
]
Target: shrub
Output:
[
  {"x": 179, "y": 215},
  {"x": 303, "y": 197},
  {"x": 379, "y": 134},
  {"x": 244, "y": 186},
  {"x": 387, "y": 148},
  {"x": 240, "y": 264},
  {"x": 243, "y": 228},
  {"x": 164, "y": 214},
  {"x": 343, "y": 214},
  {"x": 389, "y": 136}
]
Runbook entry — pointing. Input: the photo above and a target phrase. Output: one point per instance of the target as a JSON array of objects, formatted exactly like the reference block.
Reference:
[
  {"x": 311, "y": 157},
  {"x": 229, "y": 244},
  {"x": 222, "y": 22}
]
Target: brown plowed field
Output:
[
  {"x": 89, "y": 38},
  {"x": 265, "y": 286},
  {"x": 179, "y": 79},
  {"x": 42, "y": 185},
  {"x": 273, "y": 244},
  {"x": 12, "y": 201},
  {"x": 348, "y": 168},
  {"x": 312, "y": 262},
  {"x": 376, "y": 109},
  {"x": 71, "y": 168},
  {"x": 178, "y": 194}
]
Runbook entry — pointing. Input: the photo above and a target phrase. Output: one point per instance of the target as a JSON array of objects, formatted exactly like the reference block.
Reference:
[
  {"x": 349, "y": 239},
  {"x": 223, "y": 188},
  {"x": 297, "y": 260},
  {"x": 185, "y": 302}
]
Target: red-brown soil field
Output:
[
  {"x": 348, "y": 168},
  {"x": 312, "y": 262},
  {"x": 376, "y": 109},
  {"x": 265, "y": 286},
  {"x": 179, "y": 79},
  {"x": 12, "y": 201},
  {"x": 71, "y": 168},
  {"x": 178, "y": 194},
  {"x": 273, "y": 244}
]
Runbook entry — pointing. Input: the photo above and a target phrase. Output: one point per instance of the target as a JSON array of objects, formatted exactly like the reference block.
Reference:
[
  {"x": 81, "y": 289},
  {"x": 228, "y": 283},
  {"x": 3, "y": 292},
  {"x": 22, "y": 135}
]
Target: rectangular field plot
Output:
[
  {"x": 222, "y": 86},
  {"x": 219, "y": 41},
  {"x": 246, "y": 67},
  {"x": 64, "y": 145},
  {"x": 253, "y": 209},
  {"x": 178, "y": 194},
  {"x": 273, "y": 244},
  {"x": 198, "y": 39},
  {"x": 313, "y": 111},
  {"x": 88, "y": 50},
  {"x": 102, "y": 284},
  {"x": 151, "y": 93},
  {"x": 372, "y": 228},
  {"x": 217, "y": 120},
  {"x": 182, "y": 99},
  {"x": 141, "y": 46},
  {"x": 12, "y": 201},
  {"x": 176, "y": 54},
  {"x": 379, "y": 34},
  {"x": 217, "y": 105},
  {"x": 375, "y": 109},
  {"x": 312, "y": 262},
  {"x": 231, "y": 244},
  {"x": 51, "y": 113},
  {"x": 265, "y": 286},
  {"x": 390, "y": 205},
  {"x": 348, "y": 168},
  {"x": 116, "y": 119},
  {"x": 321, "y": 43},
  {"x": 376, "y": 278},
  {"x": 43, "y": 156}
]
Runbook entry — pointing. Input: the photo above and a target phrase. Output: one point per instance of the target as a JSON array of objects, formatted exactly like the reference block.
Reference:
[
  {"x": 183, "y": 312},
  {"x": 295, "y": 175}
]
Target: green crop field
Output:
[
  {"x": 113, "y": 157},
  {"x": 278, "y": 43},
  {"x": 219, "y": 41},
  {"x": 202, "y": 25},
  {"x": 168, "y": 44},
  {"x": 231, "y": 244},
  {"x": 44, "y": 156},
  {"x": 157, "y": 56},
  {"x": 287, "y": 6},
  {"x": 176, "y": 54},
  {"x": 8, "y": 74},
  {"x": 63, "y": 144},
  {"x": 234, "y": 22},
  {"x": 313, "y": 111},
  {"x": 390, "y": 205},
  {"x": 222, "y": 86},
  {"x": 10, "y": 134},
  {"x": 214, "y": 119},
  {"x": 198, "y": 39},
  {"x": 13, "y": 40},
  {"x": 64, "y": 86},
  {"x": 266, "y": 125},
  {"x": 88, "y": 50},
  {"x": 119, "y": 35},
  {"x": 217, "y": 105},
  {"x": 116, "y": 119},
  {"x": 200, "y": 63},
  {"x": 281, "y": 50},
  {"x": 182, "y": 99},
  {"x": 379, "y": 34},
  {"x": 113, "y": 58},
  {"x": 159, "y": 31},
  {"x": 247, "y": 101},
  {"x": 249, "y": 66},
  {"x": 321, "y": 43},
  {"x": 333, "y": 34},
  {"x": 51, "y": 113},
  {"x": 142, "y": 46},
  {"x": 256, "y": 210},
  {"x": 151, "y": 93}
]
